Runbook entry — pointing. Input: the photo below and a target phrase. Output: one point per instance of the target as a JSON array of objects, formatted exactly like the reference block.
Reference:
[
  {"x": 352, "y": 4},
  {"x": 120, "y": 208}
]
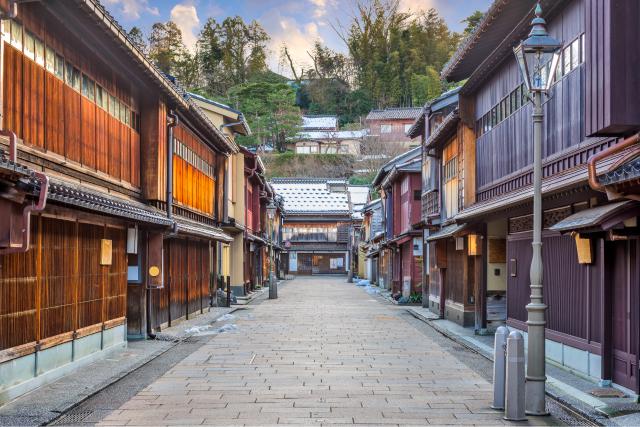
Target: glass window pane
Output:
[
  {"x": 88, "y": 87},
  {"x": 29, "y": 48},
  {"x": 127, "y": 116},
  {"x": 99, "y": 96},
  {"x": 68, "y": 75},
  {"x": 59, "y": 71},
  {"x": 50, "y": 60},
  {"x": 39, "y": 51},
  {"x": 575, "y": 53},
  {"x": 583, "y": 52},
  {"x": 76, "y": 79},
  {"x": 567, "y": 59},
  {"x": 113, "y": 105},
  {"x": 16, "y": 34},
  {"x": 6, "y": 29}
]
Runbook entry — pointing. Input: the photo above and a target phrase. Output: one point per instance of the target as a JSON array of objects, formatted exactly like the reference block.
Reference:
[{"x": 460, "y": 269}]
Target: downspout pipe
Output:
[
  {"x": 171, "y": 123},
  {"x": 593, "y": 160},
  {"x": 26, "y": 212}
]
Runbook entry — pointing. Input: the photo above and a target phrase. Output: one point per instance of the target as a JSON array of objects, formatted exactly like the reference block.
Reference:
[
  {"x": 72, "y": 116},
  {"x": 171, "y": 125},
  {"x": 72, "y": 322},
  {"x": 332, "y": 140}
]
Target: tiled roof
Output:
[
  {"x": 444, "y": 130},
  {"x": 186, "y": 226},
  {"x": 80, "y": 197},
  {"x": 320, "y": 122},
  {"x": 398, "y": 160},
  {"x": 312, "y": 195},
  {"x": 395, "y": 113},
  {"x": 444, "y": 100},
  {"x": 625, "y": 172},
  {"x": 594, "y": 216},
  {"x": 338, "y": 134}
]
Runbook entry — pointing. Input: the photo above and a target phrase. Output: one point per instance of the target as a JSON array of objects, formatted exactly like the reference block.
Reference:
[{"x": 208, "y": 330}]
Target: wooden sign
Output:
[
  {"x": 498, "y": 251},
  {"x": 583, "y": 246},
  {"x": 106, "y": 252}
]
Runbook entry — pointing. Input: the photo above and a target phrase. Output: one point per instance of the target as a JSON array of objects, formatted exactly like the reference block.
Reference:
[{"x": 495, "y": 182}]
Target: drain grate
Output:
[{"x": 72, "y": 418}]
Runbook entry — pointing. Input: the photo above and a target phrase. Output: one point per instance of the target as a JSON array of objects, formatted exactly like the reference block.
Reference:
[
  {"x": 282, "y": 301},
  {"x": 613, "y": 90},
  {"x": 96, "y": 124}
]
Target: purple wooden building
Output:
[{"x": 590, "y": 241}]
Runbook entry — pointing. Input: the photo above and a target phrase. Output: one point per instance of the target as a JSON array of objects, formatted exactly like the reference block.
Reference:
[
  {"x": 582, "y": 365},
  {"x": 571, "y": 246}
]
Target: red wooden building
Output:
[
  {"x": 109, "y": 193},
  {"x": 400, "y": 187}
]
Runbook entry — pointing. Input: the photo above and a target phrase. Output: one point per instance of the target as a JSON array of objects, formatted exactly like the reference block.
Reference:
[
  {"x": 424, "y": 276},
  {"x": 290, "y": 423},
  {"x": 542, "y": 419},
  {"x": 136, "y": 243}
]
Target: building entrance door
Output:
[{"x": 622, "y": 282}]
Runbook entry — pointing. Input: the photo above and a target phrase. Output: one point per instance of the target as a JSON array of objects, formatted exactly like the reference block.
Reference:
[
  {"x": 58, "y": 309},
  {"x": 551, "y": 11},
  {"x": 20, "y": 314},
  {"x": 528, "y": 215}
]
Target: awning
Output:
[
  {"x": 185, "y": 226},
  {"x": 599, "y": 218},
  {"x": 77, "y": 196},
  {"x": 254, "y": 238},
  {"x": 445, "y": 232}
]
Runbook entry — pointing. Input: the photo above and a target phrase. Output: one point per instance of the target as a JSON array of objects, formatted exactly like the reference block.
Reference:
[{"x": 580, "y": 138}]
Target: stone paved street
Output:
[{"x": 325, "y": 352}]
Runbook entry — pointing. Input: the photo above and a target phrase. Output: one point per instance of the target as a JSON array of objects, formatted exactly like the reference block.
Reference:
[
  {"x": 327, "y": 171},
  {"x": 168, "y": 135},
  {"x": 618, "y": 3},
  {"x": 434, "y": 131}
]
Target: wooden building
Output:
[
  {"x": 390, "y": 125},
  {"x": 400, "y": 187},
  {"x": 372, "y": 228},
  {"x": 110, "y": 192},
  {"x": 317, "y": 225},
  {"x": 589, "y": 244},
  {"x": 448, "y": 165},
  {"x": 231, "y": 259}
]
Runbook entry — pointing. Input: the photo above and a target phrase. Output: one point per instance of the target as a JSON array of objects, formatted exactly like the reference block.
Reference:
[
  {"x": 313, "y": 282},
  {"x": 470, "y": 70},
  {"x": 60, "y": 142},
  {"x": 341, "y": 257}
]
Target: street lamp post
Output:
[
  {"x": 273, "y": 285},
  {"x": 537, "y": 58}
]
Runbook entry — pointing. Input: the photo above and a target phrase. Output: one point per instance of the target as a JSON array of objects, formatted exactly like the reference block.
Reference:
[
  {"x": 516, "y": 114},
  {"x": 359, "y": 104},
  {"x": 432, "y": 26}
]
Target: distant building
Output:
[
  {"x": 329, "y": 142},
  {"x": 320, "y": 135},
  {"x": 319, "y": 123},
  {"x": 391, "y": 124},
  {"x": 358, "y": 196},
  {"x": 318, "y": 218}
]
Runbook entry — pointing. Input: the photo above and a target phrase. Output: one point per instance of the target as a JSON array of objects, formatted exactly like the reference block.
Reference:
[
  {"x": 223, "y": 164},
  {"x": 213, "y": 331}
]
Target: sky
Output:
[{"x": 298, "y": 23}]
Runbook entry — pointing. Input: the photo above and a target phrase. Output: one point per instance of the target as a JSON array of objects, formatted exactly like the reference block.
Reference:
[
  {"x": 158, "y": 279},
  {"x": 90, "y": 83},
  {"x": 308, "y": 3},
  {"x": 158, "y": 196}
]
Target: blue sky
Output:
[{"x": 298, "y": 23}]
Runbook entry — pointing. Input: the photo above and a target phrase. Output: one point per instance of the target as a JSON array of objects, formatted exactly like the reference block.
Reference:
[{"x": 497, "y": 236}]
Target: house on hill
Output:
[
  {"x": 320, "y": 135},
  {"x": 390, "y": 125}
]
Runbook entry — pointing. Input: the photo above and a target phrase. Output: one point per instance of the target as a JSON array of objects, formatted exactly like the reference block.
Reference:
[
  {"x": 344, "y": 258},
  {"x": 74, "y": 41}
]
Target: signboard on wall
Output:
[
  {"x": 417, "y": 246},
  {"x": 293, "y": 261}
]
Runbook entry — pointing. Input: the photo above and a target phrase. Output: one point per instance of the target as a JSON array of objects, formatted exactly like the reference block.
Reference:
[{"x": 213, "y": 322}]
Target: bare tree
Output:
[{"x": 374, "y": 153}]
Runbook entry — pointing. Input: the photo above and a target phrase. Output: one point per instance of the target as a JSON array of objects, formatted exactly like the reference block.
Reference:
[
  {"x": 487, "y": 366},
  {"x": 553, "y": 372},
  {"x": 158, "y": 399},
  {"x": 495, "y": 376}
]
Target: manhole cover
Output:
[
  {"x": 72, "y": 418},
  {"x": 607, "y": 392}
]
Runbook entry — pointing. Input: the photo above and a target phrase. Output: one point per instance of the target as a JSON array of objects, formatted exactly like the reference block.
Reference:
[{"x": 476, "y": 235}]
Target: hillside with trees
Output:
[{"x": 391, "y": 58}]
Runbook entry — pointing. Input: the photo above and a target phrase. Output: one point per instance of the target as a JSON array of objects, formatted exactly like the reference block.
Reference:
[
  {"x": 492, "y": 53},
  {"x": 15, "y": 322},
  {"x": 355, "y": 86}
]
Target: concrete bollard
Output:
[
  {"x": 499, "y": 347},
  {"x": 273, "y": 286},
  {"x": 514, "y": 388}
]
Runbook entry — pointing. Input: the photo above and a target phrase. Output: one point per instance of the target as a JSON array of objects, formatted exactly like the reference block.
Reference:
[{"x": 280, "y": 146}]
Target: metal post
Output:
[
  {"x": 228, "y": 291},
  {"x": 273, "y": 283},
  {"x": 514, "y": 398},
  {"x": 500, "y": 343},
  {"x": 535, "y": 388}
]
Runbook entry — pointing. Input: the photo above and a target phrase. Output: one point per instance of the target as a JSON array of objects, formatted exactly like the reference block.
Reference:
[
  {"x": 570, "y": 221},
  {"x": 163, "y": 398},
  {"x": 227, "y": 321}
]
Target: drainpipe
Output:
[
  {"x": 171, "y": 123},
  {"x": 26, "y": 212},
  {"x": 593, "y": 160}
]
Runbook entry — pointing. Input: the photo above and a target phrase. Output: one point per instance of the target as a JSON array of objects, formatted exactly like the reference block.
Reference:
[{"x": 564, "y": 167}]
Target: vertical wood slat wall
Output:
[
  {"x": 191, "y": 187},
  {"x": 187, "y": 273},
  {"x": 59, "y": 286},
  {"x": 50, "y": 115}
]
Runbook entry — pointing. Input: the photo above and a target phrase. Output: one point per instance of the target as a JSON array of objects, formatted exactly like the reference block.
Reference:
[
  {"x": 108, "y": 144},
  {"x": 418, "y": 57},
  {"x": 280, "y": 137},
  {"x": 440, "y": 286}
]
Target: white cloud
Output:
[
  {"x": 131, "y": 9},
  {"x": 298, "y": 37},
  {"x": 186, "y": 18},
  {"x": 320, "y": 8},
  {"x": 417, "y": 5}
]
